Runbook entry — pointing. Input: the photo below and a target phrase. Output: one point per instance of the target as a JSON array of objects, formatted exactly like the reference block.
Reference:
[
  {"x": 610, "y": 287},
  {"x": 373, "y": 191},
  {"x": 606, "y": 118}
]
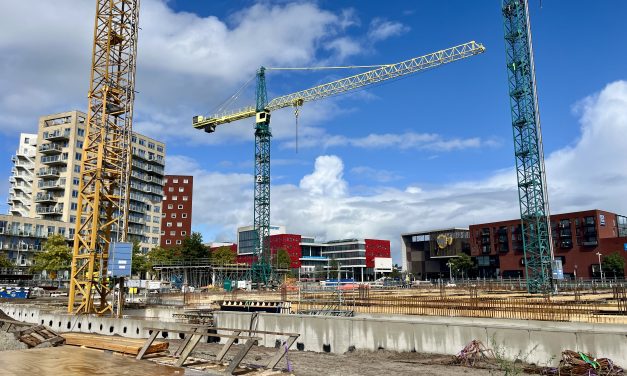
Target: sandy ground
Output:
[{"x": 357, "y": 363}]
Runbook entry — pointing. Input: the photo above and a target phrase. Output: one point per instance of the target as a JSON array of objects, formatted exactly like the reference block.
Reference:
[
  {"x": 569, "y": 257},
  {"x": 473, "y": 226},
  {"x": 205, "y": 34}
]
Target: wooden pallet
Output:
[
  {"x": 113, "y": 343},
  {"x": 36, "y": 335}
]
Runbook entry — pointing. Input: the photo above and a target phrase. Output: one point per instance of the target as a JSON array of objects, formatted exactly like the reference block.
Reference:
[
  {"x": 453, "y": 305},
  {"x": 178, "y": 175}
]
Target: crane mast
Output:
[
  {"x": 102, "y": 200},
  {"x": 261, "y": 269},
  {"x": 528, "y": 150}
]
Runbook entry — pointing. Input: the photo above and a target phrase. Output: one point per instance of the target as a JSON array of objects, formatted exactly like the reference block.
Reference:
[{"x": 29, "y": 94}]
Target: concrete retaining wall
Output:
[{"x": 540, "y": 342}]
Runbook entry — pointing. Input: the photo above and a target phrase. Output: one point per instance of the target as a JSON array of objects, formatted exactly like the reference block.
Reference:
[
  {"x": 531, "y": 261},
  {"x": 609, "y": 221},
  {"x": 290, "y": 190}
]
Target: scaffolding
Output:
[{"x": 200, "y": 273}]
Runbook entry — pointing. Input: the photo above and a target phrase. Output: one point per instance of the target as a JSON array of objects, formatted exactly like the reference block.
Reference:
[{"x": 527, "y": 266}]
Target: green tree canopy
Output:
[
  {"x": 334, "y": 265},
  {"x": 192, "y": 247},
  {"x": 283, "y": 260},
  {"x": 614, "y": 264},
  {"x": 463, "y": 263},
  {"x": 223, "y": 255},
  {"x": 56, "y": 255},
  {"x": 141, "y": 263},
  {"x": 5, "y": 262}
]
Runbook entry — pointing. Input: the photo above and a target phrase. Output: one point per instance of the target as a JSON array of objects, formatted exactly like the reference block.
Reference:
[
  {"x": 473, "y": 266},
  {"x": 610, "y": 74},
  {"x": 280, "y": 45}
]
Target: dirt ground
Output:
[{"x": 356, "y": 363}]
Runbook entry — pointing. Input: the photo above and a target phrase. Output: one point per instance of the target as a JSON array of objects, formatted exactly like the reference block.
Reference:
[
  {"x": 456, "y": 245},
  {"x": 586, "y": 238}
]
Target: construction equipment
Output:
[
  {"x": 261, "y": 268},
  {"x": 528, "y": 150},
  {"x": 102, "y": 201}
]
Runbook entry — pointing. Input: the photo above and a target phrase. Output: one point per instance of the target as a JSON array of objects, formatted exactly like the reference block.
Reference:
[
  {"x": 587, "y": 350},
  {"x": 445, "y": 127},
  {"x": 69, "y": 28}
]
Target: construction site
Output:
[{"x": 281, "y": 303}]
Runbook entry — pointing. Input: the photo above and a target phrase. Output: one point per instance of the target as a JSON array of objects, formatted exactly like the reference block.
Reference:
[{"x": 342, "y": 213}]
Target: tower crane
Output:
[
  {"x": 103, "y": 190},
  {"x": 261, "y": 268},
  {"x": 528, "y": 149}
]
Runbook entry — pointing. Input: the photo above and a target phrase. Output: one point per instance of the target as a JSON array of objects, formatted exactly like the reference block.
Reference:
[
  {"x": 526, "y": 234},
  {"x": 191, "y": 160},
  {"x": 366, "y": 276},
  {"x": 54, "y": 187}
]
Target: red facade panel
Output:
[
  {"x": 176, "y": 221},
  {"x": 376, "y": 248},
  {"x": 289, "y": 242}
]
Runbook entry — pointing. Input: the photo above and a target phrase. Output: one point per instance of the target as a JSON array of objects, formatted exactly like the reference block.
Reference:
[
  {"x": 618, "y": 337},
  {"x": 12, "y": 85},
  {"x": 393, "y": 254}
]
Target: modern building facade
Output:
[
  {"x": 176, "y": 222},
  {"x": 20, "y": 196},
  {"x": 57, "y": 164},
  {"x": 580, "y": 240},
  {"x": 425, "y": 254},
  {"x": 361, "y": 259},
  {"x": 22, "y": 237}
]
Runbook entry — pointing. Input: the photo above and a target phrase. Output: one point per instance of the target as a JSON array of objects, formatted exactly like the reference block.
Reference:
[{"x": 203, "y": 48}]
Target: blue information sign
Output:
[
  {"x": 625, "y": 246},
  {"x": 120, "y": 259}
]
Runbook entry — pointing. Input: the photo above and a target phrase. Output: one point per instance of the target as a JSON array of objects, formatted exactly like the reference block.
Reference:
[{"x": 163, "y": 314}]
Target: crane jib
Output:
[{"x": 380, "y": 74}]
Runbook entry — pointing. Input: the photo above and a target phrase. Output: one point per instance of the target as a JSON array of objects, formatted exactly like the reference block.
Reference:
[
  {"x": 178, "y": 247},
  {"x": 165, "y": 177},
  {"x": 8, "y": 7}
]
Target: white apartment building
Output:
[
  {"x": 57, "y": 164},
  {"x": 22, "y": 175}
]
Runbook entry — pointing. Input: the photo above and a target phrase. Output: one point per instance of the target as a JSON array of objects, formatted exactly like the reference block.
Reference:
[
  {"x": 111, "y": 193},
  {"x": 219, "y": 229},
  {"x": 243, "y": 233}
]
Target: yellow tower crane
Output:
[
  {"x": 261, "y": 271},
  {"x": 103, "y": 190}
]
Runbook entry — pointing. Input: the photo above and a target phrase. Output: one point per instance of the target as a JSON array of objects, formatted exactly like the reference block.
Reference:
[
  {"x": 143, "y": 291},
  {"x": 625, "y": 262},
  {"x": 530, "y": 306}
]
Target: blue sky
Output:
[{"x": 431, "y": 150}]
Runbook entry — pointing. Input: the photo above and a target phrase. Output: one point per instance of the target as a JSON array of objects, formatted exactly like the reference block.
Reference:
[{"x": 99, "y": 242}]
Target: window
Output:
[
  {"x": 160, "y": 149},
  {"x": 74, "y": 193},
  {"x": 26, "y": 140},
  {"x": 75, "y": 181},
  {"x": 170, "y": 206},
  {"x": 169, "y": 224},
  {"x": 171, "y": 189},
  {"x": 78, "y": 156},
  {"x": 180, "y": 206},
  {"x": 155, "y": 240},
  {"x": 172, "y": 233},
  {"x": 181, "y": 189},
  {"x": 174, "y": 198},
  {"x": 162, "y": 215},
  {"x": 165, "y": 198},
  {"x": 168, "y": 241},
  {"x": 81, "y": 132},
  {"x": 175, "y": 181},
  {"x": 151, "y": 145},
  {"x": 178, "y": 242},
  {"x": 184, "y": 198},
  {"x": 134, "y": 138},
  {"x": 77, "y": 168},
  {"x": 73, "y": 206},
  {"x": 184, "y": 215},
  {"x": 72, "y": 219},
  {"x": 179, "y": 224},
  {"x": 142, "y": 142},
  {"x": 183, "y": 233},
  {"x": 79, "y": 144},
  {"x": 162, "y": 232},
  {"x": 185, "y": 181},
  {"x": 155, "y": 219},
  {"x": 173, "y": 215},
  {"x": 157, "y": 208}
]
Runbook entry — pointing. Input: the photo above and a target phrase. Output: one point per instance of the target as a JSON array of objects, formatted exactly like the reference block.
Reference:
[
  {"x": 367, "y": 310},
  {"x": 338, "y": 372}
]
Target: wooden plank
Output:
[
  {"x": 119, "y": 344},
  {"x": 191, "y": 345},
  {"x": 147, "y": 345},
  {"x": 281, "y": 351},
  {"x": 240, "y": 356},
  {"x": 226, "y": 347}
]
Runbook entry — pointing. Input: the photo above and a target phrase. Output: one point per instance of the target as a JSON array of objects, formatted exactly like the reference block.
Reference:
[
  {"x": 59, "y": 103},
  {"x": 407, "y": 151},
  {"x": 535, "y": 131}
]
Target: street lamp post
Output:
[{"x": 600, "y": 266}]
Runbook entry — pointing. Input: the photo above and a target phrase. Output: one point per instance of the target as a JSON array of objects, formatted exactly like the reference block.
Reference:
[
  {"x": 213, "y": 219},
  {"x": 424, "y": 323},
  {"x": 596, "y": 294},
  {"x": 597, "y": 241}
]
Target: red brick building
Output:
[
  {"x": 176, "y": 222},
  {"x": 577, "y": 238}
]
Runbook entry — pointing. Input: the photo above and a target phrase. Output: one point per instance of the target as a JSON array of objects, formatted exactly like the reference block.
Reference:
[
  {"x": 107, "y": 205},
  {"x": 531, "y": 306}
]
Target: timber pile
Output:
[
  {"x": 39, "y": 336},
  {"x": 118, "y": 344}
]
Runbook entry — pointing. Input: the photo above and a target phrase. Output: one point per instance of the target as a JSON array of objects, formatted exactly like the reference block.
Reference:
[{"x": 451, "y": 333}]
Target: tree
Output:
[
  {"x": 222, "y": 256},
  {"x": 5, "y": 262},
  {"x": 463, "y": 264},
  {"x": 192, "y": 247},
  {"x": 614, "y": 263},
  {"x": 56, "y": 256},
  {"x": 283, "y": 259},
  {"x": 396, "y": 272},
  {"x": 159, "y": 255},
  {"x": 140, "y": 263},
  {"x": 334, "y": 266}
]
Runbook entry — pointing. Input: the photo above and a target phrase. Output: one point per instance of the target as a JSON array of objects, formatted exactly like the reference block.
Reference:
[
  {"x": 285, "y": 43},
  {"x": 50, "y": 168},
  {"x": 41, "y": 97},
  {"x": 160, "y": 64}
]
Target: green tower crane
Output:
[
  {"x": 261, "y": 268},
  {"x": 529, "y": 154}
]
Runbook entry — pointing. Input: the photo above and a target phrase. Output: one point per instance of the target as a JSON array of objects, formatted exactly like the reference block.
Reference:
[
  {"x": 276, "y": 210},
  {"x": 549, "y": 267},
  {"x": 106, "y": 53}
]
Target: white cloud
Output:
[
  {"x": 381, "y": 29},
  {"x": 590, "y": 174},
  {"x": 404, "y": 141},
  {"x": 380, "y": 176}
]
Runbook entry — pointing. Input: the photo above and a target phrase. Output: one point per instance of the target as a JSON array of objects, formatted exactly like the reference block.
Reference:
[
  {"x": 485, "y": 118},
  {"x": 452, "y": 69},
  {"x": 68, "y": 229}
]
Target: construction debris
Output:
[
  {"x": 8, "y": 342},
  {"x": 473, "y": 353},
  {"x": 575, "y": 363},
  {"x": 118, "y": 344},
  {"x": 39, "y": 336}
]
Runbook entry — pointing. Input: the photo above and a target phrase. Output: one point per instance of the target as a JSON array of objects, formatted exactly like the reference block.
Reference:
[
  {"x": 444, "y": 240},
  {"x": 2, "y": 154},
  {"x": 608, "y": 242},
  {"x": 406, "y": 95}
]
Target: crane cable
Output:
[{"x": 297, "y": 103}]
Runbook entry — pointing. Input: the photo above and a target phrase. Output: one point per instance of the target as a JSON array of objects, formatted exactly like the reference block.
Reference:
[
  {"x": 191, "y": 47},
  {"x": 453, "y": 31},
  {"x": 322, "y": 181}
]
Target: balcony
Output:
[
  {"x": 54, "y": 160},
  {"x": 48, "y": 173},
  {"x": 22, "y": 187},
  {"x": 52, "y": 185},
  {"x": 137, "y": 208},
  {"x": 43, "y": 197},
  {"x": 56, "y": 136},
  {"x": 566, "y": 244},
  {"x": 49, "y": 149},
  {"x": 49, "y": 210}
]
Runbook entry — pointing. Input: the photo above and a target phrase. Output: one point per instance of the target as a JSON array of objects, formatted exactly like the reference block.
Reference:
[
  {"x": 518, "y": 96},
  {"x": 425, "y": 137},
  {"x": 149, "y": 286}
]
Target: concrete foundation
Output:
[{"x": 539, "y": 342}]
